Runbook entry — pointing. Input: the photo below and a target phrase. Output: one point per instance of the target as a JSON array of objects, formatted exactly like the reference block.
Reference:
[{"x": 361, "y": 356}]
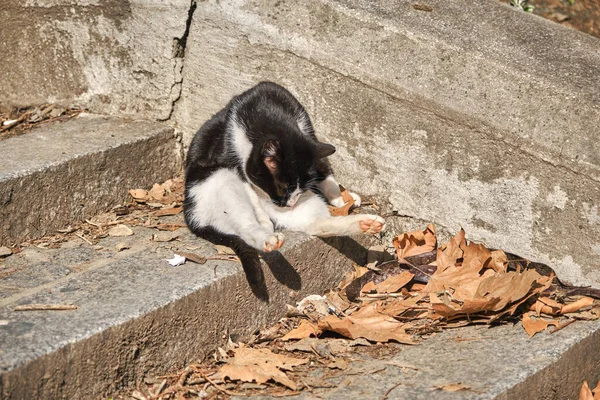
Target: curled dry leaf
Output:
[
  {"x": 416, "y": 242},
  {"x": 224, "y": 250},
  {"x": 583, "y": 302},
  {"x": 304, "y": 330},
  {"x": 260, "y": 365},
  {"x": 345, "y": 209},
  {"x": 139, "y": 194}
]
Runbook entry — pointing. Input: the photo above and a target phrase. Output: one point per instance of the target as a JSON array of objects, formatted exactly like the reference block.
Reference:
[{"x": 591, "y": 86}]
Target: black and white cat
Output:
[{"x": 256, "y": 167}]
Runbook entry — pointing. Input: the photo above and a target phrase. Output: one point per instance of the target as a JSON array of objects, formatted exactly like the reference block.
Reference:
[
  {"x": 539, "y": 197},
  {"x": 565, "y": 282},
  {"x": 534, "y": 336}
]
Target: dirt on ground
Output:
[
  {"x": 583, "y": 15},
  {"x": 19, "y": 120}
]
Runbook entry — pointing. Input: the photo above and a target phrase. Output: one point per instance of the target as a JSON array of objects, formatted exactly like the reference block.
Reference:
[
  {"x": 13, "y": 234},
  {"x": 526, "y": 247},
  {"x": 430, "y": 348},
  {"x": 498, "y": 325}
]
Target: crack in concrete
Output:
[{"x": 179, "y": 46}]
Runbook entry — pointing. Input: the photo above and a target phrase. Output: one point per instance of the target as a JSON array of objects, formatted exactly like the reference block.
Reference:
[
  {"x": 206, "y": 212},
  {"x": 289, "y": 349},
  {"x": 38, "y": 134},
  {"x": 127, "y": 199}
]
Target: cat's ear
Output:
[
  {"x": 271, "y": 153},
  {"x": 324, "y": 150}
]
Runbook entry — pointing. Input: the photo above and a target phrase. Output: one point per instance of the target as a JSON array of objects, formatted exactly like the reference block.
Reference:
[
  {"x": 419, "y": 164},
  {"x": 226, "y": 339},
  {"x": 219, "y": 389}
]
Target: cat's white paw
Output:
[
  {"x": 372, "y": 224},
  {"x": 357, "y": 199},
  {"x": 273, "y": 242},
  {"x": 337, "y": 202}
]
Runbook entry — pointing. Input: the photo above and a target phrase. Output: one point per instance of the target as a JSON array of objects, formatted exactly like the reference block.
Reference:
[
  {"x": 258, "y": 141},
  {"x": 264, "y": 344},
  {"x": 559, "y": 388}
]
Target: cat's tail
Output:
[{"x": 248, "y": 256}]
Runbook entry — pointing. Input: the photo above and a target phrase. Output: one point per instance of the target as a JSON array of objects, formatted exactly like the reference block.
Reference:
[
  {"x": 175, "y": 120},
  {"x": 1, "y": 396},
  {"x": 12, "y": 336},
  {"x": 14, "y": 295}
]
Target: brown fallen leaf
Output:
[
  {"x": 260, "y": 365},
  {"x": 357, "y": 272},
  {"x": 416, "y": 242},
  {"x": 304, "y": 330},
  {"x": 452, "y": 387},
  {"x": 120, "y": 230},
  {"x": 348, "y": 203},
  {"x": 577, "y": 305},
  {"x": 5, "y": 251},
  {"x": 193, "y": 257},
  {"x": 585, "y": 393},
  {"x": 369, "y": 324},
  {"x": 224, "y": 250},
  {"x": 533, "y": 326},
  {"x": 166, "y": 236},
  {"x": 390, "y": 285},
  {"x": 139, "y": 194},
  {"x": 168, "y": 211}
]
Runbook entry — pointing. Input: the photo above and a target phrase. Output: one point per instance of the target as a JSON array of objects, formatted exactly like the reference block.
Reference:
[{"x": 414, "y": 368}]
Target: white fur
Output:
[
  {"x": 241, "y": 144},
  {"x": 331, "y": 190},
  {"x": 303, "y": 123},
  {"x": 235, "y": 207}
]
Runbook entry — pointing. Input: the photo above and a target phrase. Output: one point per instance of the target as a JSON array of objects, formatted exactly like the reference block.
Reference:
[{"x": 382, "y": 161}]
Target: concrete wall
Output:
[
  {"x": 111, "y": 56},
  {"x": 460, "y": 123}
]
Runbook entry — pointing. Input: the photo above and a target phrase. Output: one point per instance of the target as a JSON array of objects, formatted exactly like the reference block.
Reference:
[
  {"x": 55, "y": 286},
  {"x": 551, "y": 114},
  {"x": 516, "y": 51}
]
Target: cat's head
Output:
[{"x": 285, "y": 169}]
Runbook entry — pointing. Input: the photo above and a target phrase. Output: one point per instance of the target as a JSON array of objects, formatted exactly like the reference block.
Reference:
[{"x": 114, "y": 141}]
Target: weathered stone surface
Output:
[
  {"x": 427, "y": 162},
  {"x": 63, "y": 173},
  {"x": 136, "y": 314},
  {"x": 111, "y": 56}
]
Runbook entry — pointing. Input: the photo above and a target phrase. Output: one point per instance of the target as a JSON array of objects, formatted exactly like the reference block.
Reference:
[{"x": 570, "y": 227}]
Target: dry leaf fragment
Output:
[
  {"x": 534, "y": 326},
  {"x": 338, "y": 364},
  {"x": 224, "y": 250},
  {"x": 139, "y": 194},
  {"x": 348, "y": 203},
  {"x": 577, "y": 305},
  {"x": 369, "y": 324},
  {"x": 166, "y": 236},
  {"x": 260, "y": 365},
  {"x": 5, "y": 251},
  {"x": 390, "y": 285},
  {"x": 169, "y": 211},
  {"x": 585, "y": 393},
  {"x": 452, "y": 387},
  {"x": 120, "y": 230},
  {"x": 304, "y": 330},
  {"x": 193, "y": 257},
  {"x": 416, "y": 242},
  {"x": 122, "y": 246},
  {"x": 157, "y": 192}
]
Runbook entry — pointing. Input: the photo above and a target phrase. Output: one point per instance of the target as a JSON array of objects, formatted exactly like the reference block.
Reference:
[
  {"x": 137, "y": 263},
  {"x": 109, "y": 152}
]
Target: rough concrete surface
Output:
[
  {"x": 424, "y": 164},
  {"x": 136, "y": 314},
  {"x": 111, "y": 56},
  {"x": 62, "y": 173}
]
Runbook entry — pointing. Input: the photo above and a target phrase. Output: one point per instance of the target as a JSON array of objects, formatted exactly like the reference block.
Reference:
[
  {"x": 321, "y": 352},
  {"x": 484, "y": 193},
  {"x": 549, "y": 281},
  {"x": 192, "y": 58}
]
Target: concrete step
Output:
[
  {"x": 59, "y": 174},
  {"x": 136, "y": 314}
]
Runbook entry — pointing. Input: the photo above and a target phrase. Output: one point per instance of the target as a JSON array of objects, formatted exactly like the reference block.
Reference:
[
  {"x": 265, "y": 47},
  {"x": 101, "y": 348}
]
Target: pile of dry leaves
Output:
[
  {"x": 424, "y": 290},
  {"x": 20, "y": 120},
  {"x": 145, "y": 208}
]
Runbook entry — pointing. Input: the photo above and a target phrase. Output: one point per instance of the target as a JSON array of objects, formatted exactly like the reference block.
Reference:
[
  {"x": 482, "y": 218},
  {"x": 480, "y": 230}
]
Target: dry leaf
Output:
[
  {"x": 390, "y": 285},
  {"x": 415, "y": 243},
  {"x": 166, "y": 236},
  {"x": 157, "y": 192},
  {"x": 138, "y": 194},
  {"x": 122, "y": 246},
  {"x": 352, "y": 275},
  {"x": 338, "y": 364},
  {"x": 585, "y": 393},
  {"x": 5, "y": 251},
  {"x": 534, "y": 326},
  {"x": 120, "y": 230},
  {"x": 369, "y": 324},
  {"x": 577, "y": 305},
  {"x": 452, "y": 387},
  {"x": 260, "y": 365},
  {"x": 168, "y": 211},
  {"x": 348, "y": 203},
  {"x": 224, "y": 250},
  {"x": 193, "y": 257},
  {"x": 304, "y": 330}
]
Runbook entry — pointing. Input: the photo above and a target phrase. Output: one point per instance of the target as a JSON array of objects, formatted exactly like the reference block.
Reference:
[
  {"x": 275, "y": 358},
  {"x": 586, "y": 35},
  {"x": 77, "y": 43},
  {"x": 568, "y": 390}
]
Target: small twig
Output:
[
  {"x": 382, "y": 295},
  {"x": 83, "y": 238},
  {"x": 161, "y": 387},
  {"x": 45, "y": 307},
  {"x": 219, "y": 388},
  {"x": 93, "y": 223},
  {"x": 558, "y": 328},
  {"x": 387, "y": 393}
]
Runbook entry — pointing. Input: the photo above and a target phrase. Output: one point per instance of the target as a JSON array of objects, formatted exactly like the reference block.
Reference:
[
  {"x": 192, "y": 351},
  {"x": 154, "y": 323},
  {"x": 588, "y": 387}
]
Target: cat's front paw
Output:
[
  {"x": 372, "y": 224},
  {"x": 273, "y": 242},
  {"x": 357, "y": 199}
]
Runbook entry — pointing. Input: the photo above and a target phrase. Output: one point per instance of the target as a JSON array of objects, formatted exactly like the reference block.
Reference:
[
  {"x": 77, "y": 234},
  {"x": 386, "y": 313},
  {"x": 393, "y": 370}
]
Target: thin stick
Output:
[
  {"x": 385, "y": 396},
  {"x": 45, "y": 307},
  {"x": 219, "y": 388},
  {"x": 558, "y": 328},
  {"x": 93, "y": 223},
  {"x": 82, "y": 237}
]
